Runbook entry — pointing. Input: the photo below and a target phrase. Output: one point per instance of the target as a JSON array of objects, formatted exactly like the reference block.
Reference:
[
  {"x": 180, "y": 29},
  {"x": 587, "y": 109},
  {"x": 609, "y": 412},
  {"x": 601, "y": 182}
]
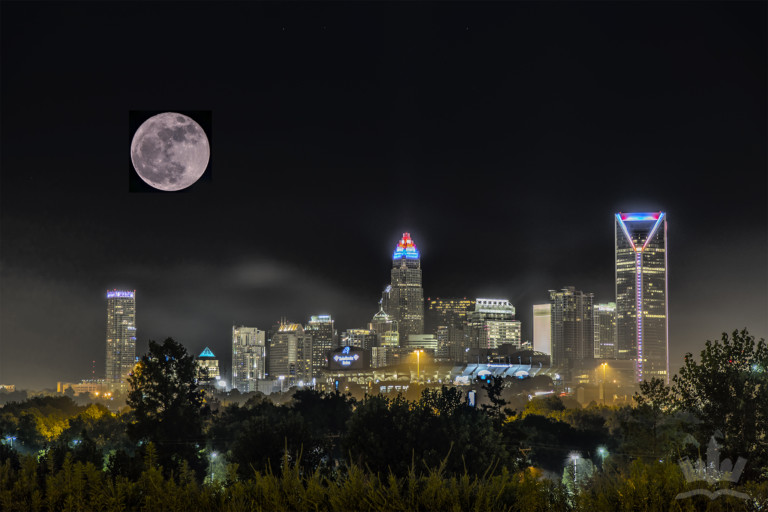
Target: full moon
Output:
[{"x": 170, "y": 151}]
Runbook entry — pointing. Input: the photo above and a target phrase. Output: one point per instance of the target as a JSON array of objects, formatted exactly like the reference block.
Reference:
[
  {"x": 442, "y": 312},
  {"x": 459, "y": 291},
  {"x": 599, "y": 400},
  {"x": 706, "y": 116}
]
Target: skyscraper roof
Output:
[
  {"x": 406, "y": 248},
  {"x": 642, "y": 228},
  {"x": 206, "y": 353}
]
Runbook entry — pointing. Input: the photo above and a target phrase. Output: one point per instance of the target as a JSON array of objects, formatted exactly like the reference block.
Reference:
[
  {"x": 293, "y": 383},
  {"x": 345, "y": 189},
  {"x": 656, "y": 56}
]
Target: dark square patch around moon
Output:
[{"x": 202, "y": 117}]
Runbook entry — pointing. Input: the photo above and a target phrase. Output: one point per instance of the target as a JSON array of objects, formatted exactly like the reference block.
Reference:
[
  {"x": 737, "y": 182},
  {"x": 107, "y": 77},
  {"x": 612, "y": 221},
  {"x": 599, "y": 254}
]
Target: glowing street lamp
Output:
[
  {"x": 213, "y": 456},
  {"x": 604, "y": 365},
  {"x": 11, "y": 439},
  {"x": 575, "y": 459},
  {"x": 418, "y": 369},
  {"x": 603, "y": 453}
]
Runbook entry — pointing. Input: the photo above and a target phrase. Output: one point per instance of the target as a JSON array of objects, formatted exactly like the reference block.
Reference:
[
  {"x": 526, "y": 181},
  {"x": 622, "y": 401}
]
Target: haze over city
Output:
[{"x": 504, "y": 138}]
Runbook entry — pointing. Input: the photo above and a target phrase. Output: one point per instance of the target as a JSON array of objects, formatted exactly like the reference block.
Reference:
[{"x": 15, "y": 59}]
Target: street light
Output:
[
  {"x": 213, "y": 456},
  {"x": 575, "y": 458},
  {"x": 604, "y": 365},
  {"x": 11, "y": 439},
  {"x": 418, "y": 369},
  {"x": 603, "y": 453}
]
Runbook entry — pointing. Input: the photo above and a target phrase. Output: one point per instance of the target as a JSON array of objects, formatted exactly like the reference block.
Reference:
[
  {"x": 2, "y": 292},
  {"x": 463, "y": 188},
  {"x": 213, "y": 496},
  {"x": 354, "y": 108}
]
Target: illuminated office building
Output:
[
  {"x": 403, "y": 300},
  {"x": 385, "y": 328},
  {"x": 573, "y": 332},
  {"x": 542, "y": 328},
  {"x": 207, "y": 367},
  {"x": 290, "y": 354},
  {"x": 121, "y": 338},
  {"x": 360, "y": 338},
  {"x": 447, "y": 319},
  {"x": 248, "y": 358},
  {"x": 641, "y": 292},
  {"x": 492, "y": 323},
  {"x": 323, "y": 332},
  {"x": 605, "y": 331}
]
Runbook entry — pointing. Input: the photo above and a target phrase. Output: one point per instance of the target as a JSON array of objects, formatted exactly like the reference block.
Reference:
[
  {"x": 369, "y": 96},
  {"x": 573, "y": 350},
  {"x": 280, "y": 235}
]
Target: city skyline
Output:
[{"x": 503, "y": 137}]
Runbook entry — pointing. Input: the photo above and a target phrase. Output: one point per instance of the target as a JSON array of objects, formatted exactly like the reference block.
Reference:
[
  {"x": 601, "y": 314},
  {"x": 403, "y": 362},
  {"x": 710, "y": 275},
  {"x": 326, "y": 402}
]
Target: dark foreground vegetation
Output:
[{"x": 169, "y": 451}]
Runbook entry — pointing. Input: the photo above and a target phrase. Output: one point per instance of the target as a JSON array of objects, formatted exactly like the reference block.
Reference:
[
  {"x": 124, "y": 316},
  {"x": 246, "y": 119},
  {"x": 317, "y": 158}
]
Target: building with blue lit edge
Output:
[{"x": 641, "y": 293}]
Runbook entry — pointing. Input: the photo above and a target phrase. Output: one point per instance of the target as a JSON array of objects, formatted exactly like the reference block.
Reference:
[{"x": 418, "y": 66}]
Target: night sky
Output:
[{"x": 502, "y": 136}]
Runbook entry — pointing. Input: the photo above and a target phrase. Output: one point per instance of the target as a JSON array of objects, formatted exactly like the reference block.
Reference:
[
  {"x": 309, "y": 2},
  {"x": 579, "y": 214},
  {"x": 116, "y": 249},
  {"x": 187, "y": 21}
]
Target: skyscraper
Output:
[
  {"x": 542, "y": 328},
  {"x": 290, "y": 354},
  {"x": 605, "y": 330},
  {"x": 248, "y": 358},
  {"x": 207, "y": 367},
  {"x": 403, "y": 300},
  {"x": 492, "y": 324},
  {"x": 321, "y": 328},
  {"x": 121, "y": 338},
  {"x": 447, "y": 319},
  {"x": 641, "y": 292},
  {"x": 385, "y": 329},
  {"x": 360, "y": 338},
  {"x": 573, "y": 333}
]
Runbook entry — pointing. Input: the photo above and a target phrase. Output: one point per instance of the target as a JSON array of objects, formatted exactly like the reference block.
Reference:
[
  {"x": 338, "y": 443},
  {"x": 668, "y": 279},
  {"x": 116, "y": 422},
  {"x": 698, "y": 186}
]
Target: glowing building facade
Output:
[
  {"x": 323, "y": 332},
  {"x": 447, "y": 319},
  {"x": 542, "y": 328},
  {"x": 290, "y": 354},
  {"x": 385, "y": 328},
  {"x": 360, "y": 338},
  {"x": 207, "y": 367},
  {"x": 641, "y": 292},
  {"x": 403, "y": 300},
  {"x": 492, "y": 324},
  {"x": 121, "y": 338},
  {"x": 248, "y": 358},
  {"x": 572, "y": 327},
  {"x": 605, "y": 331}
]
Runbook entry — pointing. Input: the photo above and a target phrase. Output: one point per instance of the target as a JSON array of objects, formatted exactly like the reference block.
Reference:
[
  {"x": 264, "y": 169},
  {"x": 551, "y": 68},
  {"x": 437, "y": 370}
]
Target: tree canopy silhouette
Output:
[{"x": 168, "y": 405}]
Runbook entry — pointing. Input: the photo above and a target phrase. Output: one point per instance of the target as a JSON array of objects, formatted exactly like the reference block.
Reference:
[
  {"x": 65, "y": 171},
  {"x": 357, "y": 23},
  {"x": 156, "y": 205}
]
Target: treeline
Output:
[{"x": 323, "y": 451}]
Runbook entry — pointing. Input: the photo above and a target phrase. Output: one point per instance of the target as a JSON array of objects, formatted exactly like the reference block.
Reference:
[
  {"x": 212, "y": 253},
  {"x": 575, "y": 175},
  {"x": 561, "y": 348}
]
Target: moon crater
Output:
[{"x": 170, "y": 151}]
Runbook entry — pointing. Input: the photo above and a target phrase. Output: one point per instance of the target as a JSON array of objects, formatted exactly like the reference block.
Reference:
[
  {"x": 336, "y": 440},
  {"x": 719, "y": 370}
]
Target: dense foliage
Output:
[{"x": 328, "y": 451}]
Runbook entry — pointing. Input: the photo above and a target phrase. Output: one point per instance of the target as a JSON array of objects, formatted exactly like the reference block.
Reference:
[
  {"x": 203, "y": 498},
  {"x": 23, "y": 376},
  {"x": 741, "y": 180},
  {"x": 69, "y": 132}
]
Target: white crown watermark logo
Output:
[{"x": 712, "y": 472}]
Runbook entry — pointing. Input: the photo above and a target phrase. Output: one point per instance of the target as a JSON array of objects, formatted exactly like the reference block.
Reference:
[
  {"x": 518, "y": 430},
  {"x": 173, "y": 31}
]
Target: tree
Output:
[
  {"x": 728, "y": 392},
  {"x": 168, "y": 406},
  {"x": 493, "y": 388}
]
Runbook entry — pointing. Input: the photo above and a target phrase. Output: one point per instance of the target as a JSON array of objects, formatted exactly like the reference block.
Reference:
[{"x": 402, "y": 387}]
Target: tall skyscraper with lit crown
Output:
[
  {"x": 403, "y": 299},
  {"x": 641, "y": 292},
  {"x": 121, "y": 338},
  {"x": 323, "y": 332}
]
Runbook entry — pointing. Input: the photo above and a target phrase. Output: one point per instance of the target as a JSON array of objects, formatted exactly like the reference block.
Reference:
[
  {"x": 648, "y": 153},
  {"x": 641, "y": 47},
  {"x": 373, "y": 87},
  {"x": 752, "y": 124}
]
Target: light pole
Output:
[
  {"x": 604, "y": 366},
  {"x": 11, "y": 439},
  {"x": 603, "y": 453},
  {"x": 418, "y": 368},
  {"x": 213, "y": 456},
  {"x": 575, "y": 458}
]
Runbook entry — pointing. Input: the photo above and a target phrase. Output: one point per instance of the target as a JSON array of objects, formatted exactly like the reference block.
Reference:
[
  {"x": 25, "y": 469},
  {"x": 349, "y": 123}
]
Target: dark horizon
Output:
[{"x": 502, "y": 136}]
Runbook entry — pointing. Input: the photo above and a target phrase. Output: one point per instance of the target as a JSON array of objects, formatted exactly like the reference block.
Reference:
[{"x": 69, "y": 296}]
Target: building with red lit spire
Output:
[{"x": 403, "y": 299}]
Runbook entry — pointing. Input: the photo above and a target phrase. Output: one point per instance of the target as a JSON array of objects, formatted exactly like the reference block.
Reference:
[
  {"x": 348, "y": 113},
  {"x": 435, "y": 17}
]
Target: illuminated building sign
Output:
[
  {"x": 347, "y": 358},
  {"x": 406, "y": 248},
  {"x": 115, "y": 294}
]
